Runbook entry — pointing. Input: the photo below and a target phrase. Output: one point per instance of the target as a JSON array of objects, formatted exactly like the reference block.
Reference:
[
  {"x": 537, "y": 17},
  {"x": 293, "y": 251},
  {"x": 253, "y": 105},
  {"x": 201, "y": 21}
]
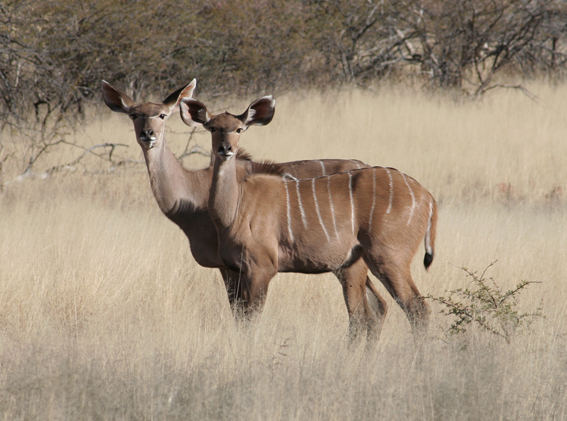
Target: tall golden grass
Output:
[{"x": 104, "y": 314}]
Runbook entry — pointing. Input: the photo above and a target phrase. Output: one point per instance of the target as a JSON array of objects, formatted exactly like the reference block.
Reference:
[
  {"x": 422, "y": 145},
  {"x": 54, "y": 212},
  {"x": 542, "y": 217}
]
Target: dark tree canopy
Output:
[{"x": 54, "y": 53}]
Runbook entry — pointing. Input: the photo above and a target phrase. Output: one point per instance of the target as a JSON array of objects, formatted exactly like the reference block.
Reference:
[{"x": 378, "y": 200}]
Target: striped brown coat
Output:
[{"x": 268, "y": 223}]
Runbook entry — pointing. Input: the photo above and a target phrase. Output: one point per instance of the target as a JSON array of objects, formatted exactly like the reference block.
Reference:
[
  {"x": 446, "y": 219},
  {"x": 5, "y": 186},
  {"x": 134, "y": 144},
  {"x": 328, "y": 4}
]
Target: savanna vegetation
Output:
[
  {"x": 105, "y": 315},
  {"x": 54, "y": 53}
]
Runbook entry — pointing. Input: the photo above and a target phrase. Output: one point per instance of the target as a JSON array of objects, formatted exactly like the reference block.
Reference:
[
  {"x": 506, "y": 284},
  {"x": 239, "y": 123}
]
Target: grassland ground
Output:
[{"x": 104, "y": 314}]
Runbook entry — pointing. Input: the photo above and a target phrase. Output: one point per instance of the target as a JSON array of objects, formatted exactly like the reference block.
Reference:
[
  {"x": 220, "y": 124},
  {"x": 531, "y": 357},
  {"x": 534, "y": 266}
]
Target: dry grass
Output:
[{"x": 104, "y": 314}]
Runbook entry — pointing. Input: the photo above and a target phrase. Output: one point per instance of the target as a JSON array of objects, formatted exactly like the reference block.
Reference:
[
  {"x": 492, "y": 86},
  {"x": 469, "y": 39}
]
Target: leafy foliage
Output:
[
  {"x": 487, "y": 306},
  {"x": 54, "y": 53}
]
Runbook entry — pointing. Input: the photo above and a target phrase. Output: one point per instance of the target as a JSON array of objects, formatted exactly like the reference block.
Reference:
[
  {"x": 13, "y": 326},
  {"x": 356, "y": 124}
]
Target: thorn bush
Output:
[{"x": 484, "y": 304}]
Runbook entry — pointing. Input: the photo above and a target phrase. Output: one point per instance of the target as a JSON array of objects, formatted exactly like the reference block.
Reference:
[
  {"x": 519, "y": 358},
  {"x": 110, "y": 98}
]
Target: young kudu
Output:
[
  {"x": 268, "y": 224},
  {"x": 183, "y": 196}
]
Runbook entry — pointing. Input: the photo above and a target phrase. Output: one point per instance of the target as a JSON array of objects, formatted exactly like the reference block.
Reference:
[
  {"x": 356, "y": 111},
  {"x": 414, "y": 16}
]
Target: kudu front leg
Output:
[
  {"x": 246, "y": 291},
  {"x": 236, "y": 289},
  {"x": 259, "y": 279}
]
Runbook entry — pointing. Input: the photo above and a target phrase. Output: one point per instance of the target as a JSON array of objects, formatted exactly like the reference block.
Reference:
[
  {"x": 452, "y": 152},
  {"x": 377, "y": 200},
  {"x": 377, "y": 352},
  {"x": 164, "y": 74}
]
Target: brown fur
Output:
[
  {"x": 260, "y": 167},
  {"x": 334, "y": 223},
  {"x": 183, "y": 195}
]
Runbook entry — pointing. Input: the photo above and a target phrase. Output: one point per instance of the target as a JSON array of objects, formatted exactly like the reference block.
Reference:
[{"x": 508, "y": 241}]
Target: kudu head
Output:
[
  {"x": 226, "y": 128},
  {"x": 149, "y": 118}
]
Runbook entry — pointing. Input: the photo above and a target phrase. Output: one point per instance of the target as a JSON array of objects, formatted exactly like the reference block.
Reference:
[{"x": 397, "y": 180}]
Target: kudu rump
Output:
[
  {"x": 268, "y": 224},
  {"x": 183, "y": 196}
]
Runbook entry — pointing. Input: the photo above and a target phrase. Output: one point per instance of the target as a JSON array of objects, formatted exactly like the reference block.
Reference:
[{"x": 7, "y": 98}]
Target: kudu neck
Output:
[
  {"x": 171, "y": 183},
  {"x": 224, "y": 195}
]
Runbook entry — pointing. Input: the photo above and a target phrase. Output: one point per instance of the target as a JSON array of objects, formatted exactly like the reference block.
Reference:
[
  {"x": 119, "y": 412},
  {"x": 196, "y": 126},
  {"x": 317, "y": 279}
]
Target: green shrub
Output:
[{"x": 485, "y": 305}]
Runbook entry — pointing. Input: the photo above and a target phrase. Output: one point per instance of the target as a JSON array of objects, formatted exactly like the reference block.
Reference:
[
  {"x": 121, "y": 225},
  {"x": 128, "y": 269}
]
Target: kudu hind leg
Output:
[
  {"x": 396, "y": 277},
  {"x": 378, "y": 305},
  {"x": 366, "y": 308}
]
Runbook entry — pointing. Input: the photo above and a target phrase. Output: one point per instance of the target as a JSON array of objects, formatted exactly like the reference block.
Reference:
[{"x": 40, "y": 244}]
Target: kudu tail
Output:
[{"x": 429, "y": 239}]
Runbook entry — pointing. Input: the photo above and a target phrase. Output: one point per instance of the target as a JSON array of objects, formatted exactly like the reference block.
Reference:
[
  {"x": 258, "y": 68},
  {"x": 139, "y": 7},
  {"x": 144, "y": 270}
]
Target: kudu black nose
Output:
[
  {"x": 224, "y": 149},
  {"x": 147, "y": 134}
]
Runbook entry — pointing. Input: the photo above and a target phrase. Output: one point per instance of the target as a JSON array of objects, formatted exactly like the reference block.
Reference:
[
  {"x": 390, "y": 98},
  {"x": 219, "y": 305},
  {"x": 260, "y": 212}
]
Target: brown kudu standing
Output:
[
  {"x": 183, "y": 196},
  {"x": 268, "y": 224}
]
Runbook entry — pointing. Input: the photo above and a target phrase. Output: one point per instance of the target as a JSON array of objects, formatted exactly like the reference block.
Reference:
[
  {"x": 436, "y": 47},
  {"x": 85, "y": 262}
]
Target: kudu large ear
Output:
[
  {"x": 193, "y": 112},
  {"x": 182, "y": 93},
  {"x": 260, "y": 111},
  {"x": 116, "y": 100}
]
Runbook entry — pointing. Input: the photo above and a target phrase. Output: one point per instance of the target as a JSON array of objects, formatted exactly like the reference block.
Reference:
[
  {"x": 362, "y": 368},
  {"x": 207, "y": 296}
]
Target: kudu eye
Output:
[
  {"x": 239, "y": 130},
  {"x": 162, "y": 116},
  {"x": 212, "y": 129},
  {"x": 133, "y": 116}
]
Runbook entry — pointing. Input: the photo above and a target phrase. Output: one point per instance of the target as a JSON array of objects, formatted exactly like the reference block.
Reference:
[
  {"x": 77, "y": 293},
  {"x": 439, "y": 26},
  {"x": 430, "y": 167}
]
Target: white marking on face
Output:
[
  {"x": 317, "y": 210},
  {"x": 412, "y": 197},
  {"x": 301, "y": 210},
  {"x": 351, "y": 201},
  {"x": 428, "y": 232},
  {"x": 331, "y": 205},
  {"x": 373, "y": 198},
  {"x": 391, "y": 190},
  {"x": 288, "y": 212},
  {"x": 324, "y": 172}
]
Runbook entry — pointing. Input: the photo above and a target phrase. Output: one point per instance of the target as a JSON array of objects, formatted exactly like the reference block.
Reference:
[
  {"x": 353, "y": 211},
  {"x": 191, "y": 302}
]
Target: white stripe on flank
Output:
[
  {"x": 351, "y": 200},
  {"x": 412, "y": 197},
  {"x": 303, "y": 218},
  {"x": 288, "y": 175},
  {"x": 288, "y": 212},
  {"x": 428, "y": 232},
  {"x": 332, "y": 206},
  {"x": 301, "y": 210},
  {"x": 323, "y": 167},
  {"x": 391, "y": 187},
  {"x": 355, "y": 163},
  {"x": 373, "y": 198},
  {"x": 317, "y": 210}
]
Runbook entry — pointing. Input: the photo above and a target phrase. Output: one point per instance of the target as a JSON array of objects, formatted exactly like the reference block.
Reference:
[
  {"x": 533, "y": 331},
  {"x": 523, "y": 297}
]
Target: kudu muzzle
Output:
[
  {"x": 148, "y": 137},
  {"x": 225, "y": 151}
]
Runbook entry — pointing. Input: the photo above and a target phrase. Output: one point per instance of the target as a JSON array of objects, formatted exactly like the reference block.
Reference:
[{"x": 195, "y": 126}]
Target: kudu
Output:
[
  {"x": 268, "y": 224},
  {"x": 183, "y": 196}
]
